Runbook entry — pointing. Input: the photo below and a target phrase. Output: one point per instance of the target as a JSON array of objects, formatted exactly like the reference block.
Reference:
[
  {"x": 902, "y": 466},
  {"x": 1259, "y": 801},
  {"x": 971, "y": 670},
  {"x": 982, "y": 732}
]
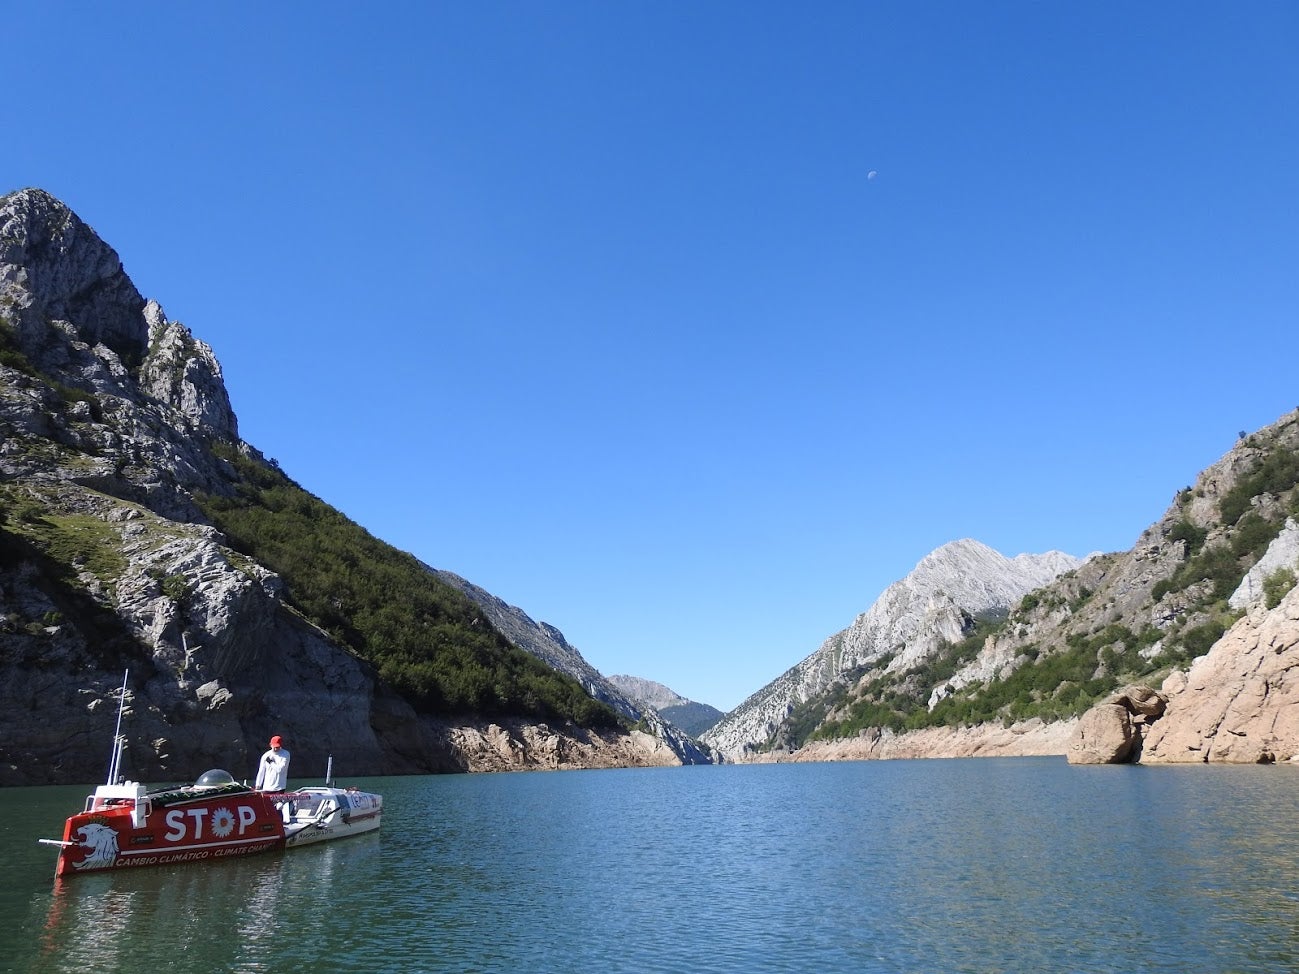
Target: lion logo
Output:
[{"x": 102, "y": 843}]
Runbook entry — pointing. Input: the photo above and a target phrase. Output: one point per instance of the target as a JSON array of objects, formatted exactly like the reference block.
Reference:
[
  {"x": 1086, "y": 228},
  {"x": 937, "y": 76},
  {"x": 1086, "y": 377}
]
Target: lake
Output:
[{"x": 976, "y": 865}]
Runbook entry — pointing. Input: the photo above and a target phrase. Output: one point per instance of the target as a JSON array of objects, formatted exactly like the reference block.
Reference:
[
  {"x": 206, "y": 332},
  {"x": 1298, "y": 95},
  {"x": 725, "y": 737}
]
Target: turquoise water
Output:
[{"x": 976, "y": 865}]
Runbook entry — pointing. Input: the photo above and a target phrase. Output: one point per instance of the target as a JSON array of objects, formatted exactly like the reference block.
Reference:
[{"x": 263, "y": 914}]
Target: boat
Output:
[{"x": 124, "y": 825}]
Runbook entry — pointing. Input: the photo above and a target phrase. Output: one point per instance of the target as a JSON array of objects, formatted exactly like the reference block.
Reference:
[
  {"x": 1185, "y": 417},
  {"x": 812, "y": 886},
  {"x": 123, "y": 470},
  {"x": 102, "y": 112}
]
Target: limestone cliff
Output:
[
  {"x": 1239, "y": 702},
  {"x": 691, "y": 716},
  {"x": 935, "y": 602},
  {"x": 114, "y": 422},
  {"x": 1198, "y": 608},
  {"x": 548, "y": 644}
]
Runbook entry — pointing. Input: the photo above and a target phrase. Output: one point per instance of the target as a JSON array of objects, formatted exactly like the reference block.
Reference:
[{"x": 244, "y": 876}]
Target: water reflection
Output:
[
  {"x": 228, "y": 916},
  {"x": 1010, "y": 866},
  {"x": 88, "y": 924}
]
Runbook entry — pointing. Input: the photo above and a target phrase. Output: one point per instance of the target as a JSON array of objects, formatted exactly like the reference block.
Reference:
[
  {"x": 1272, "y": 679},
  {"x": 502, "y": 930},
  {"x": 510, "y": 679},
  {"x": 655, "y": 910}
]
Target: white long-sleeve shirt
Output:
[{"x": 273, "y": 771}]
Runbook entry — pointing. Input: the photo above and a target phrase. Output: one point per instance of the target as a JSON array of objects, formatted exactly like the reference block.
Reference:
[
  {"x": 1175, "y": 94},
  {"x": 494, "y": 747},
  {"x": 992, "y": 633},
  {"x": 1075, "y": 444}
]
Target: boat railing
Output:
[{"x": 129, "y": 792}]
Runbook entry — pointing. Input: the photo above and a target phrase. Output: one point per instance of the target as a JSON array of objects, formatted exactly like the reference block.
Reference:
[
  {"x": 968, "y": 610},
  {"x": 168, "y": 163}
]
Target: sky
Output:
[{"x": 690, "y": 327}]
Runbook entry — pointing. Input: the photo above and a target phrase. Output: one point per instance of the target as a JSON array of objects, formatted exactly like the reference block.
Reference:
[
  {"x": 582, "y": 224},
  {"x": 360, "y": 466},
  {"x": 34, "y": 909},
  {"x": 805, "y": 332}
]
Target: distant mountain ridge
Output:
[
  {"x": 693, "y": 718},
  {"x": 648, "y": 692},
  {"x": 1200, "y": 612},
  {"x": 549, "y": 645},
  {"x": 936, "y": 602}
]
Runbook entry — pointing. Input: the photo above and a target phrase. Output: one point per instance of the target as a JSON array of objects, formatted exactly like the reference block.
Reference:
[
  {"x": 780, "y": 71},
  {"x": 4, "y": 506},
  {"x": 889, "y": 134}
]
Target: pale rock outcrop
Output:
[
  {"x": 55, "y": 271},
  {"x": 1030, "y": 738},
  {"x": 183, "y": 371},
  {"x": 933, "y": 604},
  {"x": 112, "y": 420},
  {"x": 1111, "y": 731},
  {"x": 518, "y": 746},
  {"x": 1239, "y": 702},
  {"x": 648, "y": 692},
  {"x": 1282, "y": 553}
]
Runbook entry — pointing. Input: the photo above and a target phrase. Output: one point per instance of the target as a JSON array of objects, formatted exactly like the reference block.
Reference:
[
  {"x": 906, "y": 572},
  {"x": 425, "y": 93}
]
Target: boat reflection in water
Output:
[{"x": 121, "y": 920}]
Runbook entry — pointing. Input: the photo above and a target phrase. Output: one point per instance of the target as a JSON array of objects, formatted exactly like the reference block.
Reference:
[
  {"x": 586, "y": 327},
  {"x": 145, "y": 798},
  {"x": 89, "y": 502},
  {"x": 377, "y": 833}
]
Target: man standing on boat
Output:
[{"x": 273, "y": 770}]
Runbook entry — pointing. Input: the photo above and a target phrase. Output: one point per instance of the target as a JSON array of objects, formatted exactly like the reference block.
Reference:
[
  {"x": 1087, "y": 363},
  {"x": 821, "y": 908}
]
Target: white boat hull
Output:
[{"x": 322, "y": 814}]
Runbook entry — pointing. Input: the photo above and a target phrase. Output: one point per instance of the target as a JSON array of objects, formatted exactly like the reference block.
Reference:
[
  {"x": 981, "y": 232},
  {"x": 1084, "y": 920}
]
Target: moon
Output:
[{"x": 872, "y": 174}]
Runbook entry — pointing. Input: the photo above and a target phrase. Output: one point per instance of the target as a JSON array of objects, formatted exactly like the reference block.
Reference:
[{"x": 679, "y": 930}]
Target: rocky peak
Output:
[
  {"x": 55, "y": 268},
  {"x": 183, "y": 372},
  {"x": 74, "y": 323},
  {"x": 933, "y": 604},
  {"x": 648, "y": 692},
  {"x": 114, "y": 422}
]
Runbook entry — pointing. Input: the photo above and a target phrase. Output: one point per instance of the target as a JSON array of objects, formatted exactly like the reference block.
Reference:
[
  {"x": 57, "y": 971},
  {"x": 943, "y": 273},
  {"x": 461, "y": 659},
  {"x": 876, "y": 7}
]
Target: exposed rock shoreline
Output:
[
  {"x": 1032, "y": 738},
  {"x": 519, "y": 746},
  {"x": 1236, "y": 704}
]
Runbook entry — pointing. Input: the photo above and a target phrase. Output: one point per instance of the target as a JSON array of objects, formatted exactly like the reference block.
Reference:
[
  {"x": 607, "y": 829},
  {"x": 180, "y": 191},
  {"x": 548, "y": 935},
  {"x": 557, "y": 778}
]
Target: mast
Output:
[{"x": 119, "y": 744}]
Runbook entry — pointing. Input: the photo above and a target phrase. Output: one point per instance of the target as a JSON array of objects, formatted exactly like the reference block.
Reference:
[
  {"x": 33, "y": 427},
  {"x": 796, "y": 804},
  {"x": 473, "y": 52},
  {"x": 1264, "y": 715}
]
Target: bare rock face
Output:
[
  {"x": 59, "y": 277},
  {"x": 1111, "y": 731},
  {"x": 112, "y": 420},
  {"x": 518, "y": 746},
  {"x": 1238, "y": 703},
  {"x": 1029, "y": 738},
  {"x": 1282, "y": 553},
  {"x": 909, "y": 621},
  {"x": 548, "y": 644},
  {"x": 1103, "y": 736}
]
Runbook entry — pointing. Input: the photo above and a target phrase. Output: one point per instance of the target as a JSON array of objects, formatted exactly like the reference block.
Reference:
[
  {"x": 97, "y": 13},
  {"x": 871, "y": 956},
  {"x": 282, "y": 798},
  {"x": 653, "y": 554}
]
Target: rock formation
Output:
[
  {"x": 1239, "y": 703},
  {"x": 648, "y": 692},
  {"x": 113, "y": 419},
  {"x": 548, "y": 644},
  {"x": 1111, "y": 731},
  {"x": 934, "y": 603},
  {"x": 691, "y": 716},
  {"x": 1030, "y": 738}
]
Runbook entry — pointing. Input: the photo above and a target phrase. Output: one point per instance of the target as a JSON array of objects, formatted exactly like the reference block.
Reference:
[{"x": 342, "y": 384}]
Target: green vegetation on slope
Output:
[
  {"x": 427, "y": 640},
  {"x": 1063, "y": 681}
]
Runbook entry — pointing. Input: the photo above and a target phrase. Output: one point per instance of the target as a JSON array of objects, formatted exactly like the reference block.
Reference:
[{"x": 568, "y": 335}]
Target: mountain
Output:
[
  {"x": 693, "y": 718},
  {"x": 139, "y": 532},
  {"x": 1201, "y": 607},
  {"x": 938, "y": 602},
  {"x": 549, "y": 645}
]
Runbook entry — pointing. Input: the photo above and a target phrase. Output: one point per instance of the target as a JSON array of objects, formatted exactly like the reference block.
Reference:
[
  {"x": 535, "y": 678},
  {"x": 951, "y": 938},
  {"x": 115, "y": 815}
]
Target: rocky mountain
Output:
[
  {"x": 548, "y": 644},
  {"x": 1201, "y": 608},
  {"x": 693, "y": 718},
  {"x": 936, "y": 603},
  {"x": 139, "y": 532},
  {"x": 648, "y": 692}
]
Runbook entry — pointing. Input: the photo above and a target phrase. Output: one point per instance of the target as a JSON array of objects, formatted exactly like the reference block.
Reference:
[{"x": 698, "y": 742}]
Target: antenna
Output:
[
  {"x": 115, "y": 756},
  {"x": 329, "y": 772}
]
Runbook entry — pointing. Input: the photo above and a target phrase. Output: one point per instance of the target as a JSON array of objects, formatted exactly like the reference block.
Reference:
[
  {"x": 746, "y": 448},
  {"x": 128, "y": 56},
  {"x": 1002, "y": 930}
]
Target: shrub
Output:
[
  {"x": 1252, "y": 536},
  {"x": 176, "y": 587},
  {"x": 1200, "y": 639},
  {"x": 1186, "y": 531},
  {"x": 427, "y": 639},
  {"x": 1276, "y": 585},
  {"x": 1277, "y": 473}
]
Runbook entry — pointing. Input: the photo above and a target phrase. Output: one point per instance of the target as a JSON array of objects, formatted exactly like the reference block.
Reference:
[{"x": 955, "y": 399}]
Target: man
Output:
[{"x": 273, "y": 771}]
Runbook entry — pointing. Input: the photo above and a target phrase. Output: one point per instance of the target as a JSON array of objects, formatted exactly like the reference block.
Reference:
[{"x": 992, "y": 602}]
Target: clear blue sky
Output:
[{"x": 599, "y": 305}]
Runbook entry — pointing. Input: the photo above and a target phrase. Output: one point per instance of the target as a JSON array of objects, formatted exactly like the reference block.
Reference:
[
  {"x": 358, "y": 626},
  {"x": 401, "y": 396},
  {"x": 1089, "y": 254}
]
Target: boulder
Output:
[{"x": 1111, "y": 732}]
